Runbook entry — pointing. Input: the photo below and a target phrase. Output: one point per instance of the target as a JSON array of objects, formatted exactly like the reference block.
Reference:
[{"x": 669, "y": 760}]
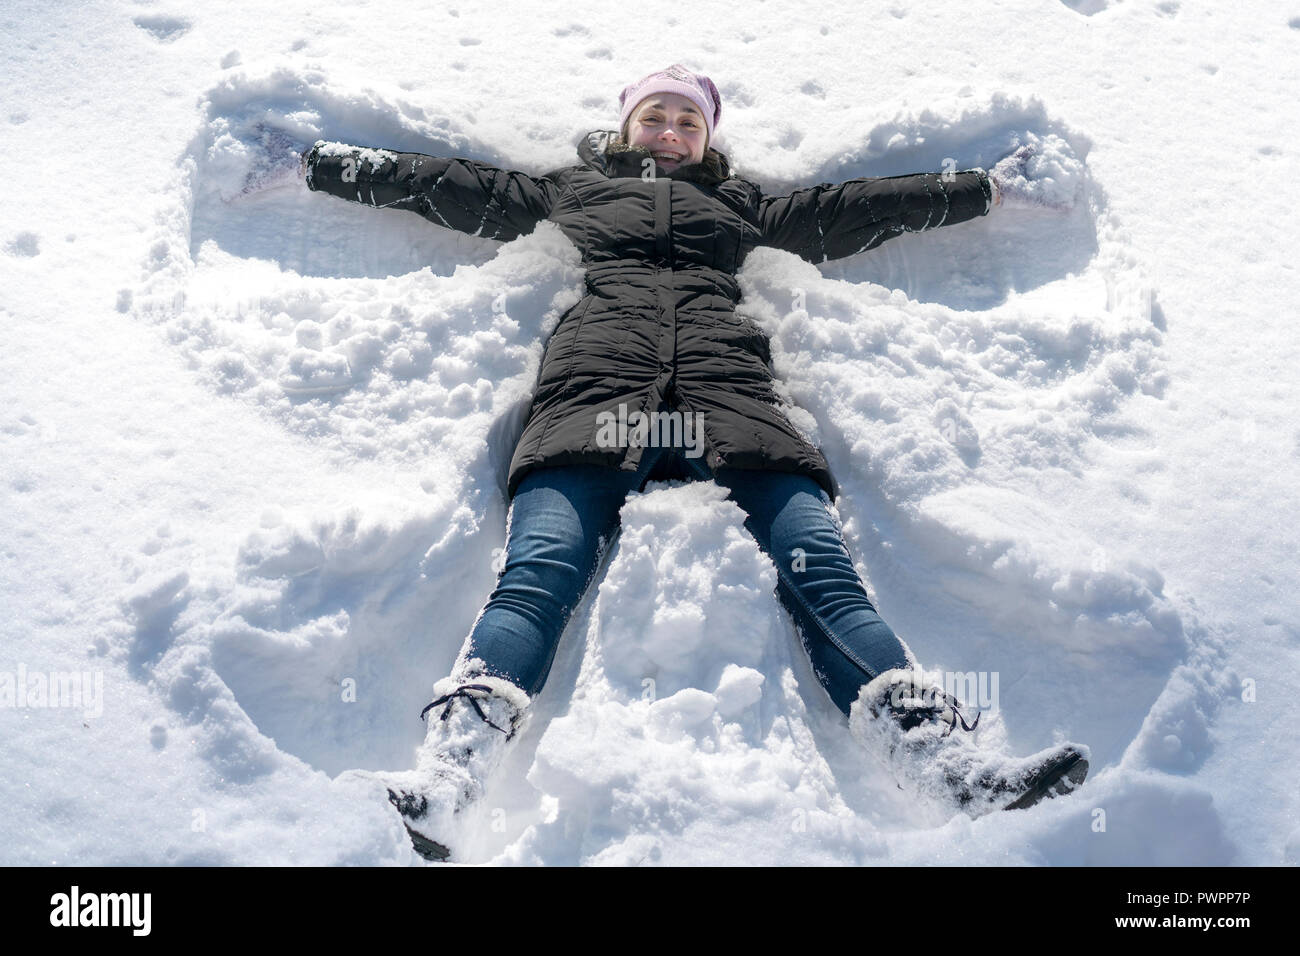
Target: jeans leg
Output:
[
  {"x": 557, "y": 519},
  {"x": 846, "y": 639},
  {"x": 562, "y": 521}
]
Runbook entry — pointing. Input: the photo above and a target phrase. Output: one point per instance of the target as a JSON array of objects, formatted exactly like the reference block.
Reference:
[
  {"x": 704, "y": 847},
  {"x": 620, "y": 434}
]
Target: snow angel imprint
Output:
[{"x": 653, "y": 375}]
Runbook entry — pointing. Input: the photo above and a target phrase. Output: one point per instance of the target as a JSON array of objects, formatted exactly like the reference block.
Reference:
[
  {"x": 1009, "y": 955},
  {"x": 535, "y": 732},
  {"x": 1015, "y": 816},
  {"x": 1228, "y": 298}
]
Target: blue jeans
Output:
[{"x": 559, "y": 515}]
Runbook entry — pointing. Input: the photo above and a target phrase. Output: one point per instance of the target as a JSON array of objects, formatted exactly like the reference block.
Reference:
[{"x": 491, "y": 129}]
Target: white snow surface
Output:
[{"x": 253, "y": 443}]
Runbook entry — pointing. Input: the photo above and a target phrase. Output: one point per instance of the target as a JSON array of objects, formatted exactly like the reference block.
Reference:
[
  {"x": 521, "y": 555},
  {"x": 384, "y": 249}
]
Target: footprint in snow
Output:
[
  {"x": 163, "y": 28},
  {"x": 26, "y": 244},
  {"x": 1086, "y": 7}
]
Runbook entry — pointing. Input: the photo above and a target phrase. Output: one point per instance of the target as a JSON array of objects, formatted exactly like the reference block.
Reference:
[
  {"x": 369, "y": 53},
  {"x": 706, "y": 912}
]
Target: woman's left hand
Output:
[
  {"x": 1034, "y": 177},
  {"x": 1010, "y": 178}
]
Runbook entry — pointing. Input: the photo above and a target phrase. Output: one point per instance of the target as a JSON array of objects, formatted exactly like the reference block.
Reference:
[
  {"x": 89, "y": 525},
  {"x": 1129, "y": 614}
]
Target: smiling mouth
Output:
[{"x": 665, "y": 155}]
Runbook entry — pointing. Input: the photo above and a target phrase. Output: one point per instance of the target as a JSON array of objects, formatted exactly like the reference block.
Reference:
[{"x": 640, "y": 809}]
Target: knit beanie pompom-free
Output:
[{"x": 696, "y": 87}]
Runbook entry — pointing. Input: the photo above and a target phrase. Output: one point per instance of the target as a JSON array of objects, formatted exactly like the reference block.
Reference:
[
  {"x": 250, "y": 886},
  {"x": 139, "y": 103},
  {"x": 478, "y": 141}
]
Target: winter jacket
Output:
[{"x": 657, "y": 326}]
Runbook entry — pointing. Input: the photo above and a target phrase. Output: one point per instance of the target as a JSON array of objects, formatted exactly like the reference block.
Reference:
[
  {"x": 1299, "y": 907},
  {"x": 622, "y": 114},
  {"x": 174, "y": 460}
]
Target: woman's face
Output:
[{"x": 671, "y": 127}]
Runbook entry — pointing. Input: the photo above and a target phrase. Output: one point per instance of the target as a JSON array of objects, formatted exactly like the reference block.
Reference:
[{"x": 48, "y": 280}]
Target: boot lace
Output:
[
  {"x": 470, "y": 692},
  {"x": 933, "y": 704}
]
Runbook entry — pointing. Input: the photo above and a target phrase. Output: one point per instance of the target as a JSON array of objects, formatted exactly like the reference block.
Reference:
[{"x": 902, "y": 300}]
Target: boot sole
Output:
[
  {"x": 431, "y": 850},
  {"x": 1061, "y": 779}
]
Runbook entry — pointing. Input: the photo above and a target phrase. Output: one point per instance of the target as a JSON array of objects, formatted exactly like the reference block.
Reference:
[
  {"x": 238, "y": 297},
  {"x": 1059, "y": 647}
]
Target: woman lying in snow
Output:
[{"x": 663, "y": 226}]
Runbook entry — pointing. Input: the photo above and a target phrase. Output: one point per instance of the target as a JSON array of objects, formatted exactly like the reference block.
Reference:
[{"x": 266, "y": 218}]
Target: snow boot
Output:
[
  {"x": 470, "y": 725},
  {"x": 911, "y": 724}
]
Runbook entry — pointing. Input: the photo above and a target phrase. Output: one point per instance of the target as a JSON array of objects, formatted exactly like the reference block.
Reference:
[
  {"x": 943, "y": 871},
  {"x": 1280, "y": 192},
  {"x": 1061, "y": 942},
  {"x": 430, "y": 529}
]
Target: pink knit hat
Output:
[{"x": 696, "y": 87}]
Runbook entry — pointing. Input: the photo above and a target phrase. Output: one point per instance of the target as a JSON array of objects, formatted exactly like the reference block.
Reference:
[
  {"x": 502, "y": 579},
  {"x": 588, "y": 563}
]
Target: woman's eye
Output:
[{"x": 651, "y": 120}]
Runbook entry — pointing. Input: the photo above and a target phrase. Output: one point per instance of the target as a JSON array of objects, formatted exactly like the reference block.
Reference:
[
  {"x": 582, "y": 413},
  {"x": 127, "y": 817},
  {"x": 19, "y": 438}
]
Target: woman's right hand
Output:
[{"x": 304, "y": 157}]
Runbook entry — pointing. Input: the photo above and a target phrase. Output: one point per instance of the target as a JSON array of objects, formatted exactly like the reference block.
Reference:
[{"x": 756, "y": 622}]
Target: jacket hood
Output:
[{"x": 599, "y": 151}]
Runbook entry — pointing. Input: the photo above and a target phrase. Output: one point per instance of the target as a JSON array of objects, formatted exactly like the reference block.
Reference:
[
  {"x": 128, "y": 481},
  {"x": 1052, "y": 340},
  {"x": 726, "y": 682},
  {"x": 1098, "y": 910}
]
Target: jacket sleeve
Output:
[
  {"x": 830, "y": 222},
  {"x": 461, "y": 194}
]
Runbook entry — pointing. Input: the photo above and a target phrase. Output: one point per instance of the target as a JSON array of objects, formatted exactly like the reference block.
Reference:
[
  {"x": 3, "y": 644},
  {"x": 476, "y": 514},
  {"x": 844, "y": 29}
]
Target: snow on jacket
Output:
[{"x": 657, "y": 323}]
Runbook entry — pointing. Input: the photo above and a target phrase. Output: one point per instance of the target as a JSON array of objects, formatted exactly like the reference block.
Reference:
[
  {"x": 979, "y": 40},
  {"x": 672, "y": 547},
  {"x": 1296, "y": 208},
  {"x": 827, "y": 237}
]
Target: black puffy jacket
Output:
[{"x": 661, "y": 248}]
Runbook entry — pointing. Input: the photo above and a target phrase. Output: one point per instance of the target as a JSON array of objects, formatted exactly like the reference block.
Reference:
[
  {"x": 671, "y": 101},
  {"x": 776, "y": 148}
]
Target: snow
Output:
[{"x": 253, "y": 443}]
